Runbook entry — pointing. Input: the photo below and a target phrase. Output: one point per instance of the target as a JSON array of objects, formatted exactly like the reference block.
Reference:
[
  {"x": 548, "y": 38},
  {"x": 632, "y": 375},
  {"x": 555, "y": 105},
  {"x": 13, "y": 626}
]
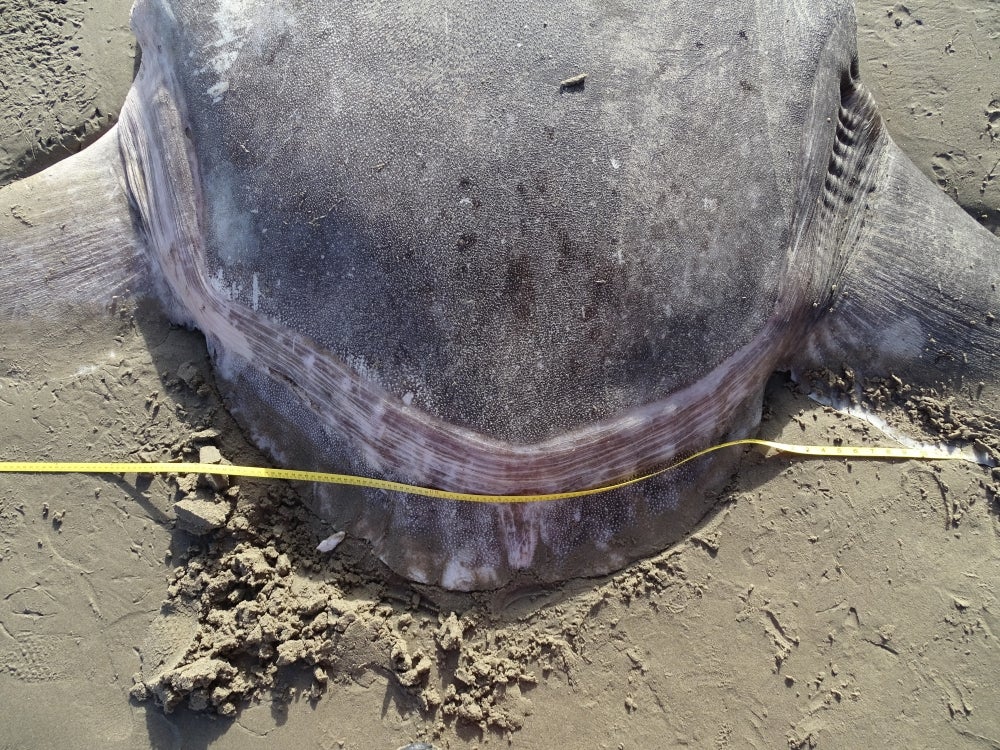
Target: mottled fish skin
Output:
[
  {"x": 540, "y": 290},
  {"x": 417, "y": 252}
]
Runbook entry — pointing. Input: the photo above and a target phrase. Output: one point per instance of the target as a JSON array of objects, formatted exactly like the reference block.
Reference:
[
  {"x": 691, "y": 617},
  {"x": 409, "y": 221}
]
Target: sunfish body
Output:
[{"x": 510, "y": 248}]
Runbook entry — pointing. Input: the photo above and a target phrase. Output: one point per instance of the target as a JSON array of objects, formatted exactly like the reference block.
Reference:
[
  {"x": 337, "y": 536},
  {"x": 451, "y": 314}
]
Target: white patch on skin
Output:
[
  {"x": 218, "y": 91},
  {"x": 271, "y": 448},
  {"x": 903, "y": 339},
  {"x": 238, "y": 22},
  {"x": 459, "y": 574},
  {"x": 255, "y": 292},
  {"x": 232, "y": 20},
  {"x": 360, "y": 366},
  {"x": 522, "y": 527},
  {"x": 219, "y": 283},
  {"x": 331, "y": 542}
]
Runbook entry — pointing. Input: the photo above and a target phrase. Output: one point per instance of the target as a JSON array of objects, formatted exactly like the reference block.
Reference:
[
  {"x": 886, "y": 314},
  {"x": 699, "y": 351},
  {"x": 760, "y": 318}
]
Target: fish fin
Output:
[
  {"x": 67, "y": 237},
  {"x": 919, "y": 293}
]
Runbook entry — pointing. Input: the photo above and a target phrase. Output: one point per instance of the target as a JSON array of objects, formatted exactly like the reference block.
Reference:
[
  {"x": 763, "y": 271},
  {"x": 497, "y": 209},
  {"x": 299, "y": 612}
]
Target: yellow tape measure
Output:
[{"x": 261, "y": 472}]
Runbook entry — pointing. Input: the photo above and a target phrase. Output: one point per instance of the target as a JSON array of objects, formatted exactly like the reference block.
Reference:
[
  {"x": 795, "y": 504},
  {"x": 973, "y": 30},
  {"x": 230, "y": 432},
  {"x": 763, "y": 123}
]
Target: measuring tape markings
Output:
[{"x": 261, "y": 472}]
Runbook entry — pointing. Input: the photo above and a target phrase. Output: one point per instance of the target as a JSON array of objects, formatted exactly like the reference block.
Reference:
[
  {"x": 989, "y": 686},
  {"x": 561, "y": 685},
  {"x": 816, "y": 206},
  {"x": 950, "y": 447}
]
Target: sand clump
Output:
[
  {"x": 278, "y": 620},
  {"x": 960, "y": 418}
]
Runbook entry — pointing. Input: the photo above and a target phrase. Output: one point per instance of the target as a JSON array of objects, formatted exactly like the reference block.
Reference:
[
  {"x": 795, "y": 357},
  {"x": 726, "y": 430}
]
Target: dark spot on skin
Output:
[
  {"x": 518, "y": 286},
  {"x": 658, "y": 231},
  {"x": 848, "y": 83},
  {"x": 743, "y": 34},
  {"x": 748, "y": 87},
  {"x": 566, "y": 247},
  {"x": 844, "y": 136},
  {"x": 550, "y": 132},
  {"x": 521, "y": 189},
  {"x": 467, "y": 240},
  {"x": 465, "y": 183},
  {"x": 641, "y": 350},
  {"x": 273, "y": 52}
]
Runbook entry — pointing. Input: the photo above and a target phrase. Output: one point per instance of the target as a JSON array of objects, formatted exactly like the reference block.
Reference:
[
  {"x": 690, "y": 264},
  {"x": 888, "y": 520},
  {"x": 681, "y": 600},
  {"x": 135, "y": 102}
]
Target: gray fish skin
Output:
[
  {"x": 918, "y": 296},
  {"x": 415, "y": 252}
]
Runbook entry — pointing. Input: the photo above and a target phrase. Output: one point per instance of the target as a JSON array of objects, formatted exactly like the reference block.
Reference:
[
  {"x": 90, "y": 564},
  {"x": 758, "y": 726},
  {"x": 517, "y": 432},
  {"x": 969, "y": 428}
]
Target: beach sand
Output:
[{"x": 824, "y": 603}]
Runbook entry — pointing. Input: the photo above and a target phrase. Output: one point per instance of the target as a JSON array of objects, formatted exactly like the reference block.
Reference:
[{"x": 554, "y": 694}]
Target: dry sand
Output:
[{"x": 824, "y": 604}]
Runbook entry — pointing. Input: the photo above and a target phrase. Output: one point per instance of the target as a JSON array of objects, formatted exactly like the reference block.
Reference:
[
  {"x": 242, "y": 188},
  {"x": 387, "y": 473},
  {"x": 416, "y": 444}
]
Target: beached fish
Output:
[{"x": 509, "y": 248}]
